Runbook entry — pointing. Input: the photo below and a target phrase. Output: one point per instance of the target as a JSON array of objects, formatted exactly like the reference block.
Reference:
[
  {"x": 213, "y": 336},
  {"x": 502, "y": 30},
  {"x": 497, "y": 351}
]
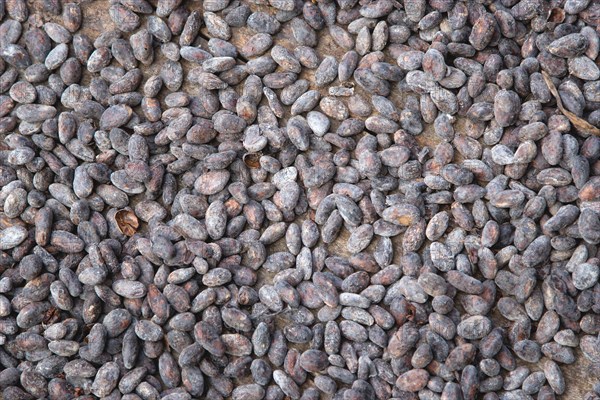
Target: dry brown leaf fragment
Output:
[
  {"x": 580, "y": 124},
  {"x": 127, "y": 222}
]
